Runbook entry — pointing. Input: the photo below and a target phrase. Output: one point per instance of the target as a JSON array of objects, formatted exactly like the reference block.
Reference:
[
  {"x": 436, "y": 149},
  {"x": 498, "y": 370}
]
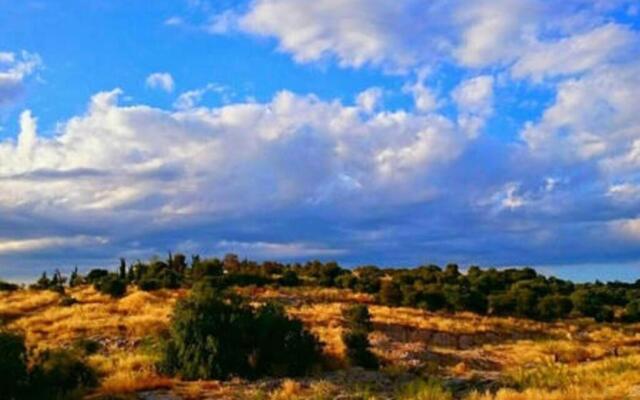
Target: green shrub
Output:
[
  {"x": 604, "y": 314},
  {"x": 13, "y": 365},
  {"x": 553, "y": 307},
  {"x": 213, "y": 336},
  {"x": 111, "y": 285},
  {"x": 281, "y": 345},
  {"x": 357, "y": 318},
  {"x": 87, "y": 346},
  {"x": 289, "y": 278},
  {"x": 359, "y": 349},
  {"x": 8, "y": 287},
  {"x": 59, "y": 373},
  {"x": 632, "y": 311},
  {"x": 390, "y": 293},
  {"x": 149, "y": 284},
  {"x": 355, "y": 337},
  {"x": 68, "y": 301},
  {"x": 95, "y": 275}
]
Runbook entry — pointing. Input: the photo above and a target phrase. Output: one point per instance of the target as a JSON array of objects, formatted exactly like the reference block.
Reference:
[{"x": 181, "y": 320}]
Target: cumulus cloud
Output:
[
  {"x": 369, "y": 99},
  {"x": 192, "y": 98},
  {"x": 423, "y": 97},
  {"x": 574, "y": 54},
  {"x": 14, "y": 70},
  {"x": 594, "y": 117},
  {"x": 356, "y": 32},
  {"x": 286, "y": 151},
  {"x": 474, "y": 99},
  {"x": 161, "y": 80},
  {"x": 494, "y": 31}
]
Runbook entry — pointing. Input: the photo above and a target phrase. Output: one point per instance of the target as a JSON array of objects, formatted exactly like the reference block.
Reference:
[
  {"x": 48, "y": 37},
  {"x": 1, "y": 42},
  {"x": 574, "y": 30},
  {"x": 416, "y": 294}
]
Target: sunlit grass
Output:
[{"x": 575, "y": 359}]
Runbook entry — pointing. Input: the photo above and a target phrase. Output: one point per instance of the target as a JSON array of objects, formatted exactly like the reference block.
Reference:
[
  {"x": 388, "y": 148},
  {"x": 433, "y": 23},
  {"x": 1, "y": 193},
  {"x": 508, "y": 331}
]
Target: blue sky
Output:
[{"x": 499, "y": 133}]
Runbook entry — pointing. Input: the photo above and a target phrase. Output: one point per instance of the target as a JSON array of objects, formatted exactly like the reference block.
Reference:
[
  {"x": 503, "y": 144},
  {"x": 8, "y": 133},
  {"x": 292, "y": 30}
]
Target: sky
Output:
[{"x": 396, "y": 133}]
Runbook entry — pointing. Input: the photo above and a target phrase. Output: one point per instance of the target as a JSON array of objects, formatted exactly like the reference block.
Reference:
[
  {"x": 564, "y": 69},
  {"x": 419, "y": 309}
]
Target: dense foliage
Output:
[
  {"x": 508, "y": 292},
  {"x": 356, "y": 336},
  {"x": 13, "y": 367},
  {"x": 218, "y": 336},
  {"x": 54, "y": 375}
]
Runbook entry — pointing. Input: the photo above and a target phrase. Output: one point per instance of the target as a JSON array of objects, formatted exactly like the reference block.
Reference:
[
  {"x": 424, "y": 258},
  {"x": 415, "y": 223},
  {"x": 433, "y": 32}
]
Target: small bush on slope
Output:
[
  {"x": 60, "y": 374},
  {"x": 216, "y": 337},
  {"x": 355, "y": 337}
]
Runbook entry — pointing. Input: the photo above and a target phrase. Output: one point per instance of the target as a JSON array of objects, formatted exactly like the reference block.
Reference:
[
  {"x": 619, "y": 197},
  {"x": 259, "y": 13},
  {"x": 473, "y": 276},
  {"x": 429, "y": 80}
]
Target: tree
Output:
[
  {"x": 357, "y": 318},
  {"x": 13, "y": 367},
  {"x": 75, "y": 279},
  {"x": 289, "y": 278},
  {"x": 123, "y": 268},
  {"x": 390, "y": 293},
  {"x": 356, "y": 336},
  {"x": 553, "y": 307},
  {"x": 632, "y": 311},
  {"x": 358, "y": 350},
  {"x": 60, "y": 372},
  {"x": 586, "y": 302},
  {"x": 111, "y": 285},
  {"x": 214, "y": 336}
]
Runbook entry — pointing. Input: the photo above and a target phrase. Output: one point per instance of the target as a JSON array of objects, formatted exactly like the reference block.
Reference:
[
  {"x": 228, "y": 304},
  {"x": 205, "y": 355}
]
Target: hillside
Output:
[{"x": 471, "y": 356}]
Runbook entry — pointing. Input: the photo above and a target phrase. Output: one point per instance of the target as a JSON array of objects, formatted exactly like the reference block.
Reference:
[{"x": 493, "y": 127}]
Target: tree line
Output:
[{"x": 518, "y": 292}]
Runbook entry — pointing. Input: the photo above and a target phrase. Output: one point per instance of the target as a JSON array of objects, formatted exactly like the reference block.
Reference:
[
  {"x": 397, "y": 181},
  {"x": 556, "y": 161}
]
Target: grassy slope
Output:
[{"x": 568, "y": 360}]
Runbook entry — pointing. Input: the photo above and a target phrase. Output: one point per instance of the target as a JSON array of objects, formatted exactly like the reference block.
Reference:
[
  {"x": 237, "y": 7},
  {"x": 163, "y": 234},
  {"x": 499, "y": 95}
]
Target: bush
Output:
[
  {"x": 217, "y": 337},
  {"x": 282, "y": 346},
  {"x": 355, "y": 337},
  {"x": 8, "y": 287},
  {"x": 289, "y": 278},
  {"x": 357, "y": 318},
  {"x": 111, "y": 285},
  {"x": 59, "y": 373},
  {"x": 358, "y": 349},
  {"x": 390, "y": 293},
  {"x": 95, "y": 275},
  {"x": 87, "y": 346},
  {"x": 604, "y": 314},
  {"x": 68, "y": 301},
  {"x": 553, "y": 307},
  {"x": 632, "y": 311},
  {"x": 13, "y": 365},
  {"x": 149, "y": 284}
]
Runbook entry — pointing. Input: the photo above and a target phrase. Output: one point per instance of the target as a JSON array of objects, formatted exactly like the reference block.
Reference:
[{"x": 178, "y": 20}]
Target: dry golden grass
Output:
[
  {"x": 569, "y": 360},
  {"x": 46, "y": 324}
]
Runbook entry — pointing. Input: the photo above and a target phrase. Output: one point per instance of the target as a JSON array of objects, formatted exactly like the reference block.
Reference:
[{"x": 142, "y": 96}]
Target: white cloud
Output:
[
  {"x": 140, "y": 160},
  {"x": 276, "y": 250},
  {"x": 624, "y": 192},
  {"x": 424, "y": 99},
  {"x": 174, "y": 21},
  {"x": 628, "y": 228},
  {"x": 369, "y": 99},
  {"x": 494, "y": 31},
  {"x": 594, "y": 117},
  {"x": 574, "y": 54},
  {"x": 12, "y": 246},
  {"x": 223, "y": 23},
  {"x": 357, "y": 32},
  {"x": 14, "y": 70},
  {"x": 192, "y": 98},
  {"x": 161, "y": 80},
  {"x": 474, "y": 100}
]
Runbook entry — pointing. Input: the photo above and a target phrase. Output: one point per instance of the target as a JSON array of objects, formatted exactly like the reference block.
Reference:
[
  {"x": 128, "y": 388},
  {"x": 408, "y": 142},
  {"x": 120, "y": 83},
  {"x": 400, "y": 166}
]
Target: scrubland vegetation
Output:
[{"x": 230, "y": 328}]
